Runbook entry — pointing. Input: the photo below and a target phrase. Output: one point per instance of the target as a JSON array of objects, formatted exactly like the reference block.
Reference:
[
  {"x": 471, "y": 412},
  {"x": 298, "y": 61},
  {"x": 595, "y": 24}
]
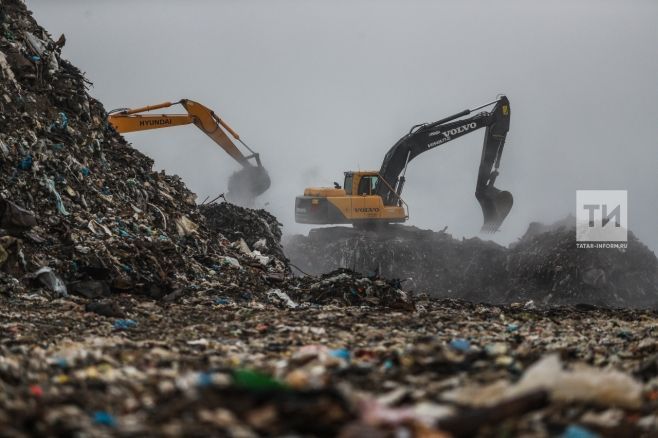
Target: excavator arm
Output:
[
  {"x": 495, "y": 203},
  {"x": 253, "y": 181},
  {"x": 130, "y": 120}
]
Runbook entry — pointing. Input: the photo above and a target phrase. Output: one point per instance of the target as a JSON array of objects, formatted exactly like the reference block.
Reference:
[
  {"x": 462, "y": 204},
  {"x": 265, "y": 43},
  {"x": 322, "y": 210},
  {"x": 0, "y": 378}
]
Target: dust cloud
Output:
[{"x": 246, "y": 184}]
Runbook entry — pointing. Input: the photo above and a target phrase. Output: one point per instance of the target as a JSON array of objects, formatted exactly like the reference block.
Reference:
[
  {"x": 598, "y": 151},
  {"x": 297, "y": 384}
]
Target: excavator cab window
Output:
[
  {"x": 347, "y": 185},
  {"x": 367, "y": 185}
]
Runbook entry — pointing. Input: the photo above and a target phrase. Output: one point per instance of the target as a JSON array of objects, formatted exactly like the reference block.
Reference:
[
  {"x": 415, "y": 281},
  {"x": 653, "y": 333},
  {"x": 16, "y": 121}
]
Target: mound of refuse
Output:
[
  {"x": 259, "y": 229},
  {"x": 344, "y": 287},
  {"x": 420, "y": 259},
  {"x": 81, "y": 211},
  {"x": 544, "y": 266}
]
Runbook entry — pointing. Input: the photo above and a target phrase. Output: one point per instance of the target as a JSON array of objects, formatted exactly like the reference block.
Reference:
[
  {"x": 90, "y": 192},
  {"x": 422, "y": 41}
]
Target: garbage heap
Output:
[
  {"x": 420, "y": 259},
  {"x": 344, "y": 287},
  {"x": 258, "y": 228},
  {"x": 544, "y": 266},
  {"x": 81, "y": 211}
]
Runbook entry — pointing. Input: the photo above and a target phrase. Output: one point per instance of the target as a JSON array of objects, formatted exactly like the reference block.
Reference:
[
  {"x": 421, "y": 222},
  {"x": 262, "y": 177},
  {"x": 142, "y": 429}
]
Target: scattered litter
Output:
[
  {"x": 15, "y": 218},
  {"x": 124, "y": 324},
  {"x": 277, "y": 296},
  {"x": 583, "y": 384},
  {"x": 51, "y": 281},
  {"x": 104, "y": 418},
  {"x": 105, "y": 308},
  {"x": 460, "y": 344},
  {"x": 231, "y": 261},
  {"x": 574, "y": 431},
  {"x": 58, "y": 198}
]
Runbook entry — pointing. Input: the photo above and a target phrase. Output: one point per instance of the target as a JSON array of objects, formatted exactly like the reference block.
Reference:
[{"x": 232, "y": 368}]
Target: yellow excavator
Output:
[
  {"x": 371, "y": 198},
  {"x": 244, "y": 185}
]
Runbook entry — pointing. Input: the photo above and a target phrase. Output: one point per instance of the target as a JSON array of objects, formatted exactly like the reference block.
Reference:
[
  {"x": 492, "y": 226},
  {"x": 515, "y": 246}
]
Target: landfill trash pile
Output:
[
  {"x": 545, "y": 265},
  {"x": 421, "y": 259},
  {"x": 208, "y": 367},
  {"x": 235, "y": 222},
  {"x": 125, "y": 310},
  {"x": 81, "y": 211},
  {"x": 349, "y": 288}
]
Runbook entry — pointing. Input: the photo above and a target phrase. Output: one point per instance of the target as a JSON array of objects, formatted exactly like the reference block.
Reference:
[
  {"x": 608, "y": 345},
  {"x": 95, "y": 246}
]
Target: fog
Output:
[{"x": 319, "y": 88}]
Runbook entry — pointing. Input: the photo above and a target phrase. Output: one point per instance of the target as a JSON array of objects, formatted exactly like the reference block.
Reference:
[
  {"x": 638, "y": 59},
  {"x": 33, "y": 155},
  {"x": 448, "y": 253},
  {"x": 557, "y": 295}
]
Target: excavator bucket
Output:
[
  {"x": 246, "y": 184},
  {"x": 496, "y": 205}
]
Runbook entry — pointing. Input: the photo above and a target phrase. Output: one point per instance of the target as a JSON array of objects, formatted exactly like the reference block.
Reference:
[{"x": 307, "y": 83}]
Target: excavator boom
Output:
[
  {"x": 252, "y": 181},
  {"x": 495, "y": 203}
]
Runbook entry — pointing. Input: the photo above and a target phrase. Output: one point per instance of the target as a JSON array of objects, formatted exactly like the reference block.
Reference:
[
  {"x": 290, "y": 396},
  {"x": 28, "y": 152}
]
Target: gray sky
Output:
[{"x": 323, "y": 87}]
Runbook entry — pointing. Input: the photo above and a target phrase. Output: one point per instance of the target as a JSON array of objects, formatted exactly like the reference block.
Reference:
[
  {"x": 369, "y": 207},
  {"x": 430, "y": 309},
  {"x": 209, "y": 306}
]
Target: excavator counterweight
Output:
[
  {"x": 243, "y": 185},
  {"x": 373, "y": 197}
]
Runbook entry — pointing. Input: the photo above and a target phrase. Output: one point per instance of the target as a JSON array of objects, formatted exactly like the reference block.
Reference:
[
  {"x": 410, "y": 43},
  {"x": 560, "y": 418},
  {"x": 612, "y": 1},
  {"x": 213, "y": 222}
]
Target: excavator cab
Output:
[
  {"x": 356, "y": 203},
  {"x": 364, "y": 183}
]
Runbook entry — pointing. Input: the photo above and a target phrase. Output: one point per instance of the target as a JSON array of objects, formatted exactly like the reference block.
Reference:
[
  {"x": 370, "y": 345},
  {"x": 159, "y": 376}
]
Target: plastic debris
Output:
[
  {"x": 254, "y": 380},
  {"x": 90, "y": 288},
  {"x": 124, "y": 324},
  {"x": 104, "y": 418},
  {"x": 574, "y": 431},
  {"x": 6, "y": 70},
  {"x": 36, "y": 391},
  {"x": 341, "y": 353},
  {"x": 231, "y": 261},
  {"x": 15, "y": 218},
  {"x": 460, "y": 344},
  {"x": 62, "y": 121},
  {"x": 25, "y": 163},
  {"x": 185, "y": 226},
  {"x": 105, "y": 308},
  {"x": 50, "y": 280},
  {"x": 584, "y": 384},
  {"x": 277, "y": 295},
  {"x": 58, "y": 198}
]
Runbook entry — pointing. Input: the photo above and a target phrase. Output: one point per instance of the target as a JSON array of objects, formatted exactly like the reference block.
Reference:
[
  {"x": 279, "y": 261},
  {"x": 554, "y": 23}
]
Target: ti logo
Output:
[{"x": 601, "y": 215}]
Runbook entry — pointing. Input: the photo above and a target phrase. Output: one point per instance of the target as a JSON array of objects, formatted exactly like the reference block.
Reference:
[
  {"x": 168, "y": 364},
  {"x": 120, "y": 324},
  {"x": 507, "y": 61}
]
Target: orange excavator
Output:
[{"x": 245, "y": 184}]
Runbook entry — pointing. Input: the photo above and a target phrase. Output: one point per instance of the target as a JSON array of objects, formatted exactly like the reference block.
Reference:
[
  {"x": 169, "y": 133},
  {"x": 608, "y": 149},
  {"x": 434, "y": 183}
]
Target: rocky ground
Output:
[{"x": 127, "y": 310}]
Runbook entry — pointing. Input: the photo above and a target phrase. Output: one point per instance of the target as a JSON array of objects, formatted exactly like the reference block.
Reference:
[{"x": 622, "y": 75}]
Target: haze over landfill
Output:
[
  {"x": 136, "y": 302},
  {"x": 319, "y": 88}
]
